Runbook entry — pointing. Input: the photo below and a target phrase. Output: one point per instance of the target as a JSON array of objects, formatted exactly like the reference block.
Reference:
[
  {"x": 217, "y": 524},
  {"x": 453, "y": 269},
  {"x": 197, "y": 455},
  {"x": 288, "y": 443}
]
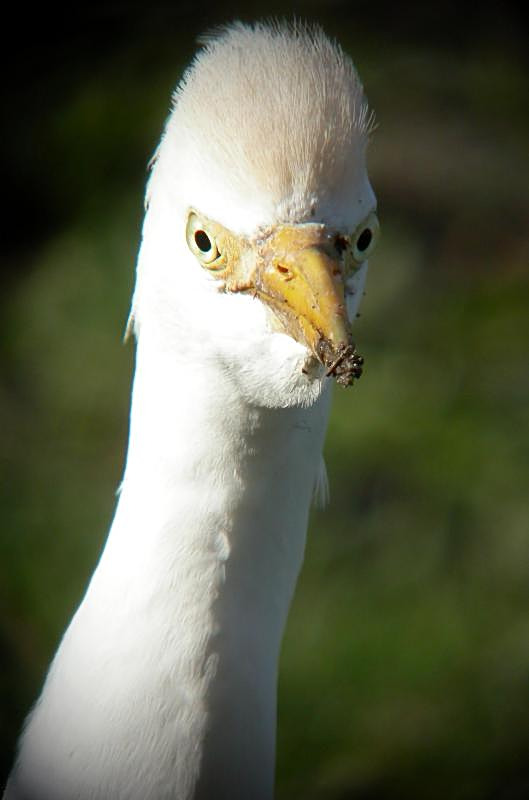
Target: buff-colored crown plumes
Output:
[{"x": 276, "y": 109}]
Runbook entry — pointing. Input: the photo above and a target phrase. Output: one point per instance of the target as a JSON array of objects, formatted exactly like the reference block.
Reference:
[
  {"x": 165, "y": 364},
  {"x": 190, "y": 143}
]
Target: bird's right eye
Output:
[{"x": 201, "y": 242}]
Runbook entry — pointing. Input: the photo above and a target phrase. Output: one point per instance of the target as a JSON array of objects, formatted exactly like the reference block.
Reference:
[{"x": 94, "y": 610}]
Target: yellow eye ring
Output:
[
  {"x": 200, "y": 241},
  {"x": 365, "y": 238}
]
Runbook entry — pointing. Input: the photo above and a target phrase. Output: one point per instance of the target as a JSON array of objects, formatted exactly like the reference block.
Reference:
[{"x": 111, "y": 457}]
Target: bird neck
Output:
[{"x": 203, "y": 558}]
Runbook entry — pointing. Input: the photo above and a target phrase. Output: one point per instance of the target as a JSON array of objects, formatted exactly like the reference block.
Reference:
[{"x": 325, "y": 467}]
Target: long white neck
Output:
[{"x": 164, "y": 685}]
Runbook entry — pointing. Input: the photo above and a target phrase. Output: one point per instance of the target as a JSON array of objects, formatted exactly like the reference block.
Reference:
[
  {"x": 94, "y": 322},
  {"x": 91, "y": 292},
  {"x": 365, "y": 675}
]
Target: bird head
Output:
[{"x": 260, "y": 216}]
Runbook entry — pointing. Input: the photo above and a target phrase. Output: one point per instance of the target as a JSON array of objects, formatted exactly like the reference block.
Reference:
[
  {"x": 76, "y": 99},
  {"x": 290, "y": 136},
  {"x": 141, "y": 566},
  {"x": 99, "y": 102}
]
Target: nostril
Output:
[{"x": 284, "y": 271}]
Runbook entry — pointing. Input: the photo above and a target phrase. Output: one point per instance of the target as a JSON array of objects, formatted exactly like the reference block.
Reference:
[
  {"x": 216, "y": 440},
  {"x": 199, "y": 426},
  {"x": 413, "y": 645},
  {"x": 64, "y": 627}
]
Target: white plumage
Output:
[{"x": 164, "y": 685}]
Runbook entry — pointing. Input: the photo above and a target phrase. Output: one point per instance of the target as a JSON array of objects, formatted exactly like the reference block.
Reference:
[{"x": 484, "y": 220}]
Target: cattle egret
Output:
[{"x": 259, "y": 222}]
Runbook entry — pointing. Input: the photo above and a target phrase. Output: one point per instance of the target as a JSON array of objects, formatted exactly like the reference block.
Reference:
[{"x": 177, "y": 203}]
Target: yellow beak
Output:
[{"x": 300, "y": 276}]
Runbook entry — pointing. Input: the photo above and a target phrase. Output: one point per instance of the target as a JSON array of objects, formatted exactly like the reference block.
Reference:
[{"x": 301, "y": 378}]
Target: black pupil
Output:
[
  {"x": 203, "y": 241},
  {"x": 364, "y": 240}
]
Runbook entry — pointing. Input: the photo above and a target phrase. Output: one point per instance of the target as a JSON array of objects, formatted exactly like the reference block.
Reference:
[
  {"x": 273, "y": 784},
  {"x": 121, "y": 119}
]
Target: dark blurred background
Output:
[{"x": 405, "y": 671}]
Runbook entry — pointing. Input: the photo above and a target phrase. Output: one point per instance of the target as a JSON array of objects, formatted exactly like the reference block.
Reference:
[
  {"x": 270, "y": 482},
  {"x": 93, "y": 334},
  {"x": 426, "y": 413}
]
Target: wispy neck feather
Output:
[{"x": 164, "y": 685}]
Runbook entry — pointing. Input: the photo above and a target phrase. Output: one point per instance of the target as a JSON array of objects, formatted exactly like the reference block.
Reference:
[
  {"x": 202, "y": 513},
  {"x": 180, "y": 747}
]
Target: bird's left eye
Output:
[
  {"x": 364, "y": 238},
  {"x": 200, "y": 241}
]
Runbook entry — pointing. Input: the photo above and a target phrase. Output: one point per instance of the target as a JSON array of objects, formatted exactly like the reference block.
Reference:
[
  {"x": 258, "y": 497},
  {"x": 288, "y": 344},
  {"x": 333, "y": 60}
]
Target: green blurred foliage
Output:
[{"x": 405, "y": 670}]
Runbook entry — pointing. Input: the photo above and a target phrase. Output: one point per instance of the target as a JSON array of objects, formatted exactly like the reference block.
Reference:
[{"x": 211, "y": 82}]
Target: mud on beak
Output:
[{"x": 300, "y": 276}]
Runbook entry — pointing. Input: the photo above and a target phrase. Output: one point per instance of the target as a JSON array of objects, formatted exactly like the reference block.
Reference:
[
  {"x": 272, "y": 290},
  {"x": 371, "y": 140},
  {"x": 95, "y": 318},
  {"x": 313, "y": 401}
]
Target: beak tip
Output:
[{"x": 342, "y": 362}]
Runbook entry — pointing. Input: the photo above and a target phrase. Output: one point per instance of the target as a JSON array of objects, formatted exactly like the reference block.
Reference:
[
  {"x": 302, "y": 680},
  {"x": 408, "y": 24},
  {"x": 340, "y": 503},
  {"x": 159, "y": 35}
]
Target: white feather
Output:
[{"x": 321, "y": 488}]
